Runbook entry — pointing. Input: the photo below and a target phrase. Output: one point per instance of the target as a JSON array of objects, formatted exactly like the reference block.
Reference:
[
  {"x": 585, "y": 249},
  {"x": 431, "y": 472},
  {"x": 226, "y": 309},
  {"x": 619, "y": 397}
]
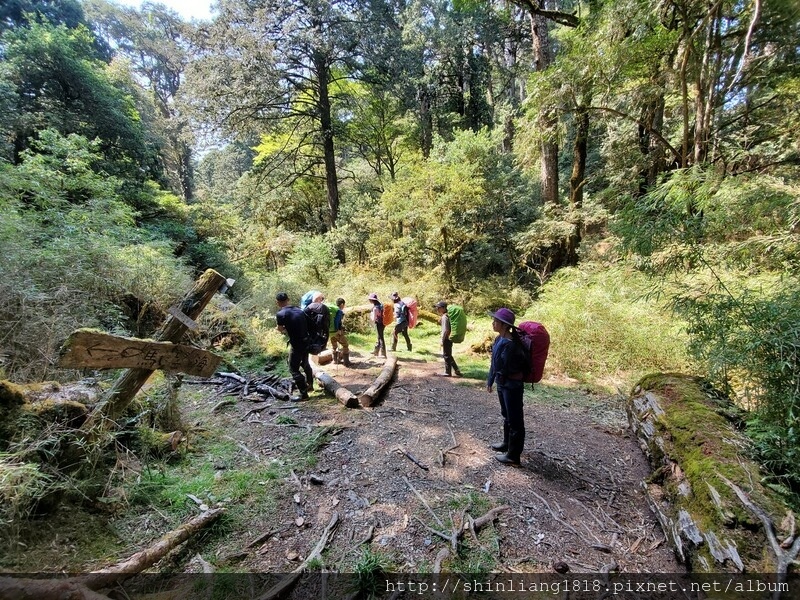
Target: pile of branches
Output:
[{"x": 246, "y": 386}]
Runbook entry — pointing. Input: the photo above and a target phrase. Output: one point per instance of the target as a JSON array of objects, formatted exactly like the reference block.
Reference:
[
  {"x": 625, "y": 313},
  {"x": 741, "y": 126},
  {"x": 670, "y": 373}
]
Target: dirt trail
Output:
[{"x": 576, "y": 499}]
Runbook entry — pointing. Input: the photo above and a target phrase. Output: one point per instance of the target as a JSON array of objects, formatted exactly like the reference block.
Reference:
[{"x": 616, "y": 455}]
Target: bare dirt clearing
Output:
[{"x": 576, "y": 499}]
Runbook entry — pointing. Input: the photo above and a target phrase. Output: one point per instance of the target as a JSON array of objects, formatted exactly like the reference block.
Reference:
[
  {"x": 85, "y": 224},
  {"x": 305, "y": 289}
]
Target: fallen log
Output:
[
  {"x": 149, "y": 556},
  {"x": 333, "y": 387},
  {"x": 369, "y": 396},
  {"x": 323, "y": 358},
  {"x": 698, "y": 460},
  {"x": 86, "y": 586}
]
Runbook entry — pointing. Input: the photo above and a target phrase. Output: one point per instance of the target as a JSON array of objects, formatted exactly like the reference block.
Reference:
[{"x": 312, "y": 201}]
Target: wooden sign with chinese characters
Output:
[{"x": 90, "y": 348}]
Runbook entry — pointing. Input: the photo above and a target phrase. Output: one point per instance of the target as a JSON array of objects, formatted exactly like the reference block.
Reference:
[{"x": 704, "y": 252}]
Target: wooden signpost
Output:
[
  {"x": 143, "y": 357},
  {"x": 90, "y": 348}
]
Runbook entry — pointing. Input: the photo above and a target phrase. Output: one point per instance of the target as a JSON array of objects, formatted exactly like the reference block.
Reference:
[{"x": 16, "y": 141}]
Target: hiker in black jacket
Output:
[{"x": 292, "y": 322}]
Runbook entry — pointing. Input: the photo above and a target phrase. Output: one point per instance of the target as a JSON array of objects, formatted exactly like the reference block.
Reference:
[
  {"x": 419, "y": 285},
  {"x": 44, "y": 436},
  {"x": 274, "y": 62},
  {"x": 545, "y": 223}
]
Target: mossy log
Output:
[{"x": 685, "y": 428}]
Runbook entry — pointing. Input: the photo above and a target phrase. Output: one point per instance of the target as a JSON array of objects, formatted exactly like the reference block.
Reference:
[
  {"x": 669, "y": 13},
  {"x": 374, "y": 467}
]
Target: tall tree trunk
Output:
[
  {"x": 548, "y": 120},
  {"x": 426, "y": 120},
  {"x": 326, "y": 125},
  {"x": 579, "y": 152},
  {"x": 185, "y": 171},
  {"x": 707, "y": 82}
]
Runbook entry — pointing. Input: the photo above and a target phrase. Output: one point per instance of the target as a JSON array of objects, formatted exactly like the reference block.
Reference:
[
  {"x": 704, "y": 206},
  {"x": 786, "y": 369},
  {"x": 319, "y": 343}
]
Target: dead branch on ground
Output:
[
  {"x": 269, "y": 386},
  {"x": 86, "y": 586},
  {"x": 288, "y": 582},
  {"x": 784, "y": 558}
]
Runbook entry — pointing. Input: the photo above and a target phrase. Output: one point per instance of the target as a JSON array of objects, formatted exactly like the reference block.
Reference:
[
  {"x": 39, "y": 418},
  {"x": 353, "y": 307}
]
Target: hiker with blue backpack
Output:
[
  {"x": 292, "y": 322},
  {"x": 509, "y": 367},
  {"x": 450, "y": 365},
  {"x": 400, "y": 321}
]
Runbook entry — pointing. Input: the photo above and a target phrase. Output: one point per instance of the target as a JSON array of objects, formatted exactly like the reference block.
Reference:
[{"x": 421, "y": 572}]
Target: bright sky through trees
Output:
[{"x": 188, "y": 9}]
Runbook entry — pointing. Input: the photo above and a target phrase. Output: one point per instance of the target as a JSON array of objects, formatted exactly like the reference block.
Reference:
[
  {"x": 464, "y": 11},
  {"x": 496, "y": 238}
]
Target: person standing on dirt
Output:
[
  {"x": 376, "y": 316},
  {"x": 339, "y": 338},
  {"x": 292, "y": 322},
  {"x": 400, "y": 321},
  {"x": 507, "y": 371},
  {"x": 450, "y": 365}
]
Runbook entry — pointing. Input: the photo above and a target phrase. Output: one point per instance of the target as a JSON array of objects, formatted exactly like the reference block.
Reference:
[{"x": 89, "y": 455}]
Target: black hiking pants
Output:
[{"x": 510, "y": 395}]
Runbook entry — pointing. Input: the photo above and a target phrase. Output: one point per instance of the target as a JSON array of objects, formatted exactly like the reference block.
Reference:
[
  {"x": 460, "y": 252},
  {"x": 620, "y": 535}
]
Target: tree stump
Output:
[{"x": 685, "y": 428}]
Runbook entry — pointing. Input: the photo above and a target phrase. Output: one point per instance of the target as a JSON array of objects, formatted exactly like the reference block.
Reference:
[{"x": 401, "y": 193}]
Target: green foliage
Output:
[
  {"x": 604, "y": 327},
  {"x": 70, "y": 253},
  {"x": 728, "y": 248},
  {"x": 454, "y": 214},
  {"x": 22, "y": 487},
  {"x": 370, "y": 571},
  {"x": 747, "y": 335},
  {"x": 61, "y": 84},
  {"x": 312, "y": 259}
]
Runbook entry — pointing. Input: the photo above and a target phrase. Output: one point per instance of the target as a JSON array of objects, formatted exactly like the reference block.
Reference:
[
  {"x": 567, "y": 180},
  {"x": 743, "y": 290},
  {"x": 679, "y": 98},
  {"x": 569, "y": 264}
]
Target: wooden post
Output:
[{"x": 131, "y": 381}]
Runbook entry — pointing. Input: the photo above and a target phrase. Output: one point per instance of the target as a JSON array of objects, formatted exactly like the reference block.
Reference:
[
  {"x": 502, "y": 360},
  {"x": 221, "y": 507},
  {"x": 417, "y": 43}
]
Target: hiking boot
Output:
[
  {"x": 500, "y": 446},
  {"x": 346, "y": 360},
  {"x": 300, "y": 397},
  {"x": 442, "y": 374},
  {"x": 458, "y": 373},
  {"x": 507, "y": 460},
  {"x": 409, "y": 347}
]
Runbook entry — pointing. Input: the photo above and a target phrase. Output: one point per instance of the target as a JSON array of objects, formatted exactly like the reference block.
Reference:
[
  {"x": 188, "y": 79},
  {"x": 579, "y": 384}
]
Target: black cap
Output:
[{"x": 440, "y": 304}]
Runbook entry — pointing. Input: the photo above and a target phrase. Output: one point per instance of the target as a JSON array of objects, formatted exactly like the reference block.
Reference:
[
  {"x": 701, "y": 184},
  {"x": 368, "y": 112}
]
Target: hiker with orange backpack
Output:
[
  {"x": 510, "y": 365},
  {"x": 376, "y": 316}
]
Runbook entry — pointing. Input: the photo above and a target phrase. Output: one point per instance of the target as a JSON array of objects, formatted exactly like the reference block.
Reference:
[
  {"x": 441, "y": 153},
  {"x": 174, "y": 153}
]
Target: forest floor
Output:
[{"x": 576, "y": 500}]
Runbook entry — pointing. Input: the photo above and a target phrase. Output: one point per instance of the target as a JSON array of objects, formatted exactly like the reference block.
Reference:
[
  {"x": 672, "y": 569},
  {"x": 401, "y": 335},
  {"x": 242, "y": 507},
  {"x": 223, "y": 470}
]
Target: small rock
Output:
[
  {"x": 299, "y": 521},
  {"x": 561, "y": 567}
]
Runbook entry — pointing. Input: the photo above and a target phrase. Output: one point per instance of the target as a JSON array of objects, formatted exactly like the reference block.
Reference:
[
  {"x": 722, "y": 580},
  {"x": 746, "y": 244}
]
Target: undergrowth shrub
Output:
[
  {"x": 604, "y": 327},
  {"x": 746, "y": 333},
  {"x": 71, "y": 253}
]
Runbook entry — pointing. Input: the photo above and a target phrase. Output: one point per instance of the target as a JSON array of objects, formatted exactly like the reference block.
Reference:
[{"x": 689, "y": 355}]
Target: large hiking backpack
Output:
[
  {"x": 308, "y": 298},
  {"x": 318, "y": 318},
  {"x": 537, "y": 341},
  {"x": 413, "y": 311},
  {"x": 388, "y": 314},
  {"x": 458, "y": 323},
  {"x": 332, "y": 310}
]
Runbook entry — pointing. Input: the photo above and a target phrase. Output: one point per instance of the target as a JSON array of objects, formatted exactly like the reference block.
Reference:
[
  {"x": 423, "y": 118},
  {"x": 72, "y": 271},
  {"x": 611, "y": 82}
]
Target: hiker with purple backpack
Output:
[{"x": 510, "y": 365}]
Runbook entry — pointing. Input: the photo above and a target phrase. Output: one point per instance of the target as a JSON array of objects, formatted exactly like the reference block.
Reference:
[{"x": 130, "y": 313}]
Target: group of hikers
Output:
[{"x": 509, "y": 368}]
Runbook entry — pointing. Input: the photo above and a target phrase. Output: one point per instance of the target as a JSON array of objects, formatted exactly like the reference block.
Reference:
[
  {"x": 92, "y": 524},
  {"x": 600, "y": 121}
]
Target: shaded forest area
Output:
[{"x": 538, "y": 155}]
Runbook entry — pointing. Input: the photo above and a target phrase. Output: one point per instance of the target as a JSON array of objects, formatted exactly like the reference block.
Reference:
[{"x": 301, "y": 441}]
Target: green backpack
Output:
[
  {"x": 458, "y": 323},
  {"x": 332, "y": 310}
]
